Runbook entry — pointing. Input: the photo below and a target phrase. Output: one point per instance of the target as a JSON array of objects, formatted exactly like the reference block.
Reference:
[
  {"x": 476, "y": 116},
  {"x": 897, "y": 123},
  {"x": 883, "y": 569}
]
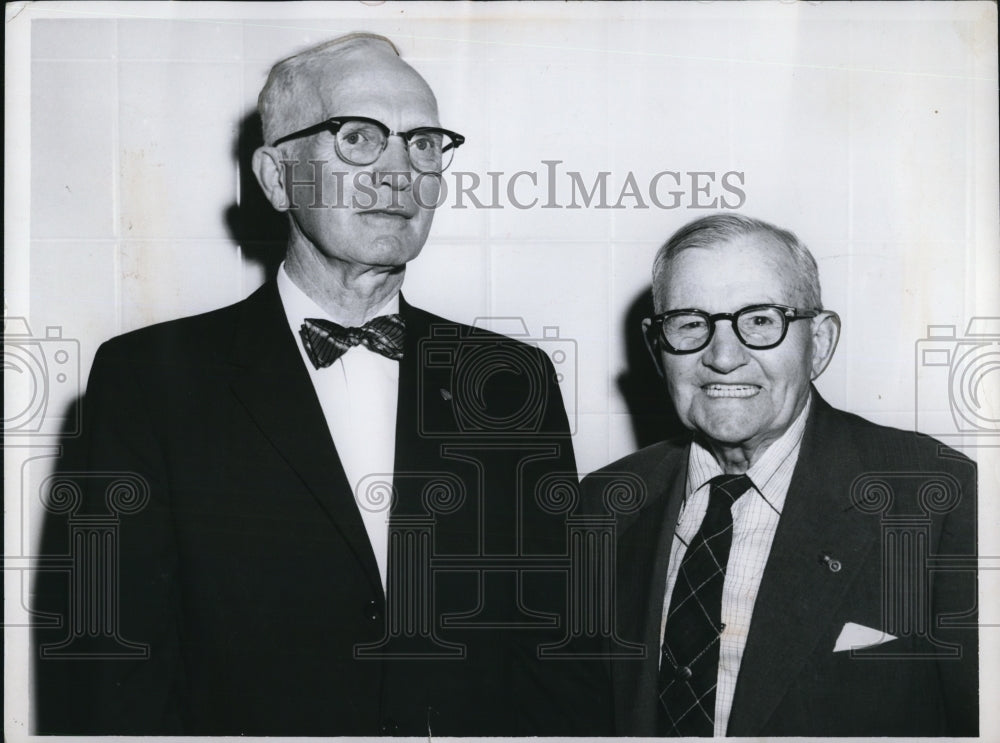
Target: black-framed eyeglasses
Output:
[
  {"x": 361, "y": 141},
  {"x": 759, "y": 326}
]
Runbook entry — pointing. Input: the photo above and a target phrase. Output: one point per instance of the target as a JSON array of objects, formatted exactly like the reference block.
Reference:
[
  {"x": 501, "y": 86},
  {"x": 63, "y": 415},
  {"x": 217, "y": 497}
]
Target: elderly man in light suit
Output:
[{"x": 777, "y": 576}]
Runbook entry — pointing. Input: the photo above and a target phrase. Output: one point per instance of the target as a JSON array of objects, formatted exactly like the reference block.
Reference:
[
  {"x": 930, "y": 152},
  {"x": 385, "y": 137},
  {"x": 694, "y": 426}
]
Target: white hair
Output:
[
  {"x": 284, "y": 96},
  {"x": 719, "y": 229}
]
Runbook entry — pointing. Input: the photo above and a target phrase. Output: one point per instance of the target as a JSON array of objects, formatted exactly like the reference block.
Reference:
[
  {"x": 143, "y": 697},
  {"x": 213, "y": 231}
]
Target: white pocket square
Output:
[{"x": 857, "y": 636}]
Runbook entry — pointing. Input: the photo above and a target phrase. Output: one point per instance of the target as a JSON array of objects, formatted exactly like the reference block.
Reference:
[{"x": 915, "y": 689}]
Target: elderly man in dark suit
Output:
[
  {"x": 794, "y": 569},
  {"x": 332, "y": 488}
]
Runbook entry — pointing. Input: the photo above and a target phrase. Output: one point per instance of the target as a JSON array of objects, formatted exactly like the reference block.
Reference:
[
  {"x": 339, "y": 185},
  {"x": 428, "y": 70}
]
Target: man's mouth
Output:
[
  {"x": 730, "y": 390},
  {"x": 398, "y": 213}
]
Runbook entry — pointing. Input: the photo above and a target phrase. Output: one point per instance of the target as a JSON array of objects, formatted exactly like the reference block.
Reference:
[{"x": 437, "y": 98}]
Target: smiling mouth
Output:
[{"x": 730, "y": 390}]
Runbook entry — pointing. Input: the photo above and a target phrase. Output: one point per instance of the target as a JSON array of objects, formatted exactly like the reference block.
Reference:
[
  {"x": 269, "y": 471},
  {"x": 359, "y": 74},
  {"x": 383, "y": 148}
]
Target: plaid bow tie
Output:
[{"x": 326, "y": 341}]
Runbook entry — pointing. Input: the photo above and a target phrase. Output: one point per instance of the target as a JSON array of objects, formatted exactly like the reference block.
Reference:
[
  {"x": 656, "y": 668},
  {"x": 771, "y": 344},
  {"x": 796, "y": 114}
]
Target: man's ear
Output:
[
  {"x": 268, "y": 167},
  {"x": 653, "y": 347},
  {"x": 825, "y": 334}
]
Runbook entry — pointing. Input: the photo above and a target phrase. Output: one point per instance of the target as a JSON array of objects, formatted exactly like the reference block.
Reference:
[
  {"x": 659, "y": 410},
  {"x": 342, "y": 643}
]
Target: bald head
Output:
[{"x": 301, "y": 90}]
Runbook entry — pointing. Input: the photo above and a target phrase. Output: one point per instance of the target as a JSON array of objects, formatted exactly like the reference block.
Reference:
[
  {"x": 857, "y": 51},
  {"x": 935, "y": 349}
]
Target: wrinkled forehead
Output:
[
  {"x": 367, "y": 82},
  {"x": 759, "y": 255}
]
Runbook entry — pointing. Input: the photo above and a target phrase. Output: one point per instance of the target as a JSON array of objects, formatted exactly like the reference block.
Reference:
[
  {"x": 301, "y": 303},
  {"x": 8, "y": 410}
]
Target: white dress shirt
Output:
[
  {"x": 755, "y": 521},
  {"x": 358, "y": 395}
]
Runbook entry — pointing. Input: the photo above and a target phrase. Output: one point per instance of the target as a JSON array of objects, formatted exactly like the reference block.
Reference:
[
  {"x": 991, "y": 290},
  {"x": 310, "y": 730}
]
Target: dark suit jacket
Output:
[
  {"x": 249, "y": 573},
  {"x": 790, "y": 681}
]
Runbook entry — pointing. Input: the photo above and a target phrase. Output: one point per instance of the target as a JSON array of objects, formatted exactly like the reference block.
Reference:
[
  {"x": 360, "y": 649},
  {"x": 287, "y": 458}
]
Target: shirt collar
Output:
[
  {"x": 702, "y": 465},
  {"x": 299, "y": 305}
]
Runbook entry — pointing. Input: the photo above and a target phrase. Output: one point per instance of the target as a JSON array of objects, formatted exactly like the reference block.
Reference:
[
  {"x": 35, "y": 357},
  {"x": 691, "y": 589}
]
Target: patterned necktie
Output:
[
  {"x": 326, "y": 341},
  {"x": 689, "y": 665}
]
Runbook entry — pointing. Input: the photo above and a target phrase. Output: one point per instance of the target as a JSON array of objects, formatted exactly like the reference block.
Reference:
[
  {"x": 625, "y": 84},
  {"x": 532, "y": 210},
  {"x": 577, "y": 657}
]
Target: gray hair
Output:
[
  {"x": 719, "y": 229},
  {"x": 282, "y": 94}
]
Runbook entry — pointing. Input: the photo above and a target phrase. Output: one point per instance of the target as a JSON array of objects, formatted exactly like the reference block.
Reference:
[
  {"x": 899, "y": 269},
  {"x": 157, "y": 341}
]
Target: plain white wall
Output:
[
  {"x": 859, "y": 132},
  {"x": 870, "y": 130}
]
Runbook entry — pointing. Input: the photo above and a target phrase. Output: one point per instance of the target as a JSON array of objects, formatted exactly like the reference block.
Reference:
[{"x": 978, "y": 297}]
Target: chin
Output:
[
  {"x": 726, "y": 430},
  {"x": 728, "y": 437},
  {"x": 393, "y": 250}
]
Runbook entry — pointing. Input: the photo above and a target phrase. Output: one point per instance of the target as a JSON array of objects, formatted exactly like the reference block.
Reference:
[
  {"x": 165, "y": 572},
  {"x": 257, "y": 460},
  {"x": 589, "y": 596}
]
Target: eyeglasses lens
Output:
[
  {"x": 761, "y": 327},
  {"x": 360, "y": 143},
  {"x": 685, "y": 332}
]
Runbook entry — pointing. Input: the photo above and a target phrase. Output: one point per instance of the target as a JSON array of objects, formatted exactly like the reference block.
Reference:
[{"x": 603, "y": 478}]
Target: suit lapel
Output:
[
  {"x": 642, "y": 574},
  {"x": 274, "y": 387},
  {"x": 798, "y": 592},
  {"x": 423, "y": 408}
]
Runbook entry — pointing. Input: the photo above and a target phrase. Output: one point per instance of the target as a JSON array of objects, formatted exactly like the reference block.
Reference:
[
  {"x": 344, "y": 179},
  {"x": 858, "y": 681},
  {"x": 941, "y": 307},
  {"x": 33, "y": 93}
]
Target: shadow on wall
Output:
[
  {"x": 58, "y": 701},
  {"x": 253, "y": 223},
  {"x": 651, "y": 412}
]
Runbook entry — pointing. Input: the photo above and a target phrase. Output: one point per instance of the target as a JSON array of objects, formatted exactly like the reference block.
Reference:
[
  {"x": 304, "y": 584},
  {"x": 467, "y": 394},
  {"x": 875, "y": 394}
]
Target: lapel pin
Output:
[
  {"x": 832, "y": 564},
  {"x": 445, "y": 395}
]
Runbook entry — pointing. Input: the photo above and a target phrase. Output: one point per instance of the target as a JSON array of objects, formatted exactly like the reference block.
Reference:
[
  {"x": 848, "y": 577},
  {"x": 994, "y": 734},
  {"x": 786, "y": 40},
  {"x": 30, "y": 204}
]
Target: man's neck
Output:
[
  {"x": 351, "y": 294},
  {"x": 734, "y": 460},
  {"x": 737, "y": 459}
]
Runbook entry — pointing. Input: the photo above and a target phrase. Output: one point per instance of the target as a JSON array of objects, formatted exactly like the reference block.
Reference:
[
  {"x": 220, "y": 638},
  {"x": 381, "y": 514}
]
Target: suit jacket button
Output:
[
  {"x": 372, "y": 611},
  {"x": 682, "y": 673},
  {"x": 388, "y": 727}
]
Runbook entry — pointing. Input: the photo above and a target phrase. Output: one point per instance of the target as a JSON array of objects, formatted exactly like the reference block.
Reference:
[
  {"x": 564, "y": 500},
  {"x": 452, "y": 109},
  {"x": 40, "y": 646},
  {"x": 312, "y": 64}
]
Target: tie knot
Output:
[
  {"x": 325, "y": 341},
  {"x": 725, "y": 489}
]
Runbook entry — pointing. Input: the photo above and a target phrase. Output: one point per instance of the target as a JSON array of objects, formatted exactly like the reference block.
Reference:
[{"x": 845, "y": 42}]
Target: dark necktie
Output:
[
  {"x": 326, "y": 341},
  {"x": 689, "y": 665}
]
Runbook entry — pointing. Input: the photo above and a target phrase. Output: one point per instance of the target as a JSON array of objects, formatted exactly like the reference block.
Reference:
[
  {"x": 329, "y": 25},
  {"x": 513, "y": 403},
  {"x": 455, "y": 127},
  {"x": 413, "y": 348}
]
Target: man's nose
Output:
[
  {"x": 725, "y": 352},
  {"x": 393, "y": 165}
]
